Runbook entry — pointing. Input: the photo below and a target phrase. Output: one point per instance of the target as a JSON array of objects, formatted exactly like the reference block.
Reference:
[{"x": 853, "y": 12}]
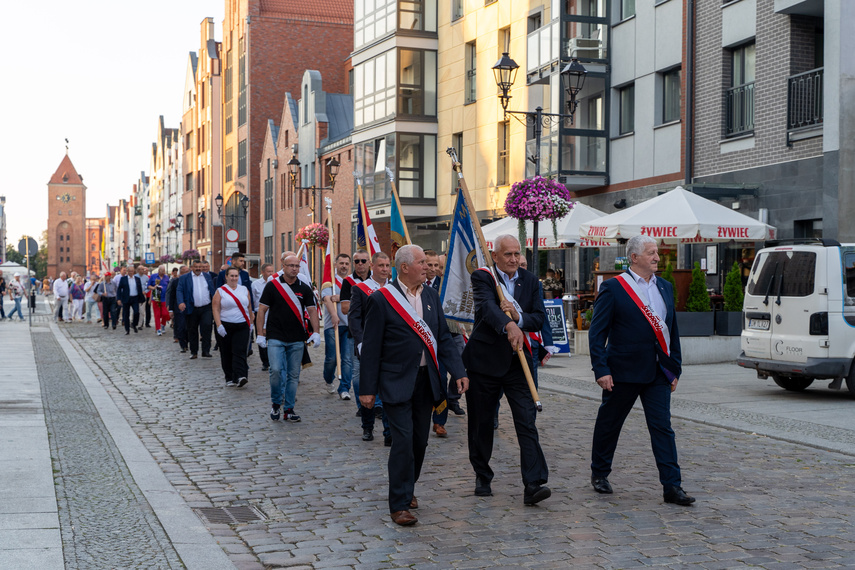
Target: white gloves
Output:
[
  {"x": 261, "y": 341},
  {"x": 551, "y": 349},
  {"x": 359, "y": 349},
  {"x": 221, "y": 330},
  {"x": 314, "y": 340}
]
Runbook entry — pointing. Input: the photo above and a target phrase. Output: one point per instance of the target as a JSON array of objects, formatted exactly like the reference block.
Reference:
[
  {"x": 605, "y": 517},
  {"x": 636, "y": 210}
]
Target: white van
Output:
[{"x": 799, "y": 314}]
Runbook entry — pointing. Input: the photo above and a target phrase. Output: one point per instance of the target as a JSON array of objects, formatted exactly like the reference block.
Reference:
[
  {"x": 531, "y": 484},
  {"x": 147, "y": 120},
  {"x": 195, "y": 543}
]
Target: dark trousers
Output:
[
  {"x": 481, "y": 401},
  {"x": 200, "y": 322},
  {"x": 410, "y": 425},
  {"x": 110, "y": 311},
  {"x": 233, "y": 350},
  {"x": 262, "y": 352},
  {"x": 452, "y": 395},
  {"x": 148, "y": 312},
  {"x": 180, "y": 328},
  {"x": 656, "y": 400},
  {"x": 126, "y": 313}
]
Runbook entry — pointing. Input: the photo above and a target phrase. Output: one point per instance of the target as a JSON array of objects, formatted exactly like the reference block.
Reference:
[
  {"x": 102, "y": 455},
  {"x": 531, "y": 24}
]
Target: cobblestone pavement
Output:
[
  {"x": 105, "y": 521},
  {"x": 761, "y": 501}
]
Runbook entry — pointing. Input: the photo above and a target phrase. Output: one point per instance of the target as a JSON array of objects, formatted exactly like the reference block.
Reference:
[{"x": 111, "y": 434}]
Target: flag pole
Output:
[
  {"x": 398, "y": 202},
  {"x": 328, "y": 201},
  {"x": 456, "y": 166}
]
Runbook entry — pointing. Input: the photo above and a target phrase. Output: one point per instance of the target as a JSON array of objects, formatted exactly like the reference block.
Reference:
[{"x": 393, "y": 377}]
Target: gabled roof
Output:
[
  {"x": 340, "y": 117},
  {"x": 330, "y": 11},
  {"x": 66, "y": 173}
]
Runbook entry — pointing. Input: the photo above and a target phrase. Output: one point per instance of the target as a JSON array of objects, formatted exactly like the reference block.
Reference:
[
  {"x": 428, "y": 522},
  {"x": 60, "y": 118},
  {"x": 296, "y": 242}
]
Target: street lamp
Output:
[
  {"x": 219, "y": 202},
  {"x": 573, "y": 79},
  {"x": 333, "y": 166}
]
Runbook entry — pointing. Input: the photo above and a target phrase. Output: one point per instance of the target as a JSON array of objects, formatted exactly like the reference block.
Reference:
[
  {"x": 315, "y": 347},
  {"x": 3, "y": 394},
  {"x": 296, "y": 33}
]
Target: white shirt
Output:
[
  {"x": 657, "y": 303},
  {"x": 229, "y": 310},
  {"x": 415, "y": 299},
  {"x": 132, "y": 285},
  {"x": 201, "y": 295},
  {"x": 60, "y": 288},
  {"x": 511, "y": 284}
]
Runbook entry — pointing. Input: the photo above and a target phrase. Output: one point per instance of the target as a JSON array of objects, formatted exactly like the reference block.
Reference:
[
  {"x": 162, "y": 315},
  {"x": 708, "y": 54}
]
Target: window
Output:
[
  {"x": 372, "y": 159},
  {"x": 787, "y": 273},
  {"x": 456, "y": 10},
  {"x": 60, "y": 238},
  {"x": 627, "y": 109},
  {"x": 412, "y": 15},
  {"x": 268, "y": 249},
  {"x": 229, "y": 164},
  {"x": 242, "y": 158},
  {"x": 471, "y": 56},
  {"x": 188, "y": 184},
  {"x": 373, "y": 19},
  {"x": 671, "y": 96},
  {"x": 242, "y": 83},
  {"x": 739, "y": 99},
  {"x": 504, "y": 41},
  {"x": 627, "y": 9},
  {"x": 535, "y": 21},
  {"x": 503, "y": 164},
  {"x": 416, "y": 166},
  {"x": 268, "y": 195},
  {"x": 457, "y": 145},
  {"x": 374, "y": 89},
  {"x": 417, "y": 77},
  {"x": 228, "y": 91}
]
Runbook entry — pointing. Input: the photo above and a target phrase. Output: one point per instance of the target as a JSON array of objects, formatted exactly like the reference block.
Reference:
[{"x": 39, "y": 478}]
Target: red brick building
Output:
[
  {"x": 66, "y": 228},
  {"x": 260, "y": 41}
]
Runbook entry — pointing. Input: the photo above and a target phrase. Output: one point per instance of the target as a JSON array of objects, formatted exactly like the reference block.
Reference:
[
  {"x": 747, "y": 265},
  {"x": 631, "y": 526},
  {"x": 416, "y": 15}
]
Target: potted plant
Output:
[
  {"x": 698, "y": 319},
  {"x": 729, "y": 321},
  {"x": 537, "y": 199},
  {"x": 668, "y": 275}
]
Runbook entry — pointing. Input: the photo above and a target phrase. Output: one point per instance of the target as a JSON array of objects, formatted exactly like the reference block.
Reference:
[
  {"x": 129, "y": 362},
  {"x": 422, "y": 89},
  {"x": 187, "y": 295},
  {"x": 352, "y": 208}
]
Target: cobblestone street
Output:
[{"x": 322, "y": 490}]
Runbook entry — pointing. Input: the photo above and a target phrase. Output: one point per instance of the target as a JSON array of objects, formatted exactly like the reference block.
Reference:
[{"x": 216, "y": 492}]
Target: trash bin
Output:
[{"x": 571, "y": 301}]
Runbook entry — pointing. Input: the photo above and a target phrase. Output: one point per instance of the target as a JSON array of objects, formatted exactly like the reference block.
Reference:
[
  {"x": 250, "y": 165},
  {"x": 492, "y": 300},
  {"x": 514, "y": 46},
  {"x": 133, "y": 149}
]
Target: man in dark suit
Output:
[
  {"x": 634, "y": 313},
  {"x": 404, "y": 337},
  {"x": 491, "y": 360},
  {"x": 129, "y": 295},
  {"x": 178, "y": 319},
  {"x": 194, "y": 294}
]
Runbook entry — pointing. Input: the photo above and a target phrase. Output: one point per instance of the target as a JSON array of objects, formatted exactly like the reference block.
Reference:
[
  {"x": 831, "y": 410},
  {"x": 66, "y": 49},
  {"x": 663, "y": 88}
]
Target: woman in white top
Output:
[
  {"x": 232, "y": 317},
  {"x": 89, "y": 287}
]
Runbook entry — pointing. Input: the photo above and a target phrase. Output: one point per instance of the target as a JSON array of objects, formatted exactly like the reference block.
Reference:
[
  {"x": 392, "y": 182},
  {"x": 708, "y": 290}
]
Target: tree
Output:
[
  {"x": 732, "y": 292},
  {"x": 698, "y": 300},
  {"x": 668, "y": 275},
  {"x": 13, "y": 255}
]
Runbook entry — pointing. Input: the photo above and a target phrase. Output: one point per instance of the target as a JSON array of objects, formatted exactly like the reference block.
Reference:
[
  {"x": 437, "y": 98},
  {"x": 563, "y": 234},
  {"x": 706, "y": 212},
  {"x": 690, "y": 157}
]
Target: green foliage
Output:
[
  {"x": 13, "y": 255},
  {"x": 668, "y": 275},
  {"x": 698, "y": 300},
  {"x": 732, "y": 293}
]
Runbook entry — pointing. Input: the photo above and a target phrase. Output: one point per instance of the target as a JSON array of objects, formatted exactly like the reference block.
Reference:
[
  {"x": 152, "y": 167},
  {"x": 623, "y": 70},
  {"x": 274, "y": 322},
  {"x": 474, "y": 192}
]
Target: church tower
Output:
[{"x": 66, "y": 221}]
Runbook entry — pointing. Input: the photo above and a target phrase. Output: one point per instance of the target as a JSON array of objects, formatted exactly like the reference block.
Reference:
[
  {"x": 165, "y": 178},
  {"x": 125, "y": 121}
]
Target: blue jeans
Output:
[
  {"x": 285, "y": 364},
  {"x": 89, "y": 304},
  {"x": 355, "y": 376},
  {"x": 17, "y": 308},
  {"x": 346, "y": 347}
]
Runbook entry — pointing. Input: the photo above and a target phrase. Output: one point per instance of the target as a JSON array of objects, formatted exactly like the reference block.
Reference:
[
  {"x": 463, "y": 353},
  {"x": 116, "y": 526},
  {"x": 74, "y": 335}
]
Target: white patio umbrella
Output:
[
  {"x": 678, "y": 216},
  {"x": 568, "y": 230}
]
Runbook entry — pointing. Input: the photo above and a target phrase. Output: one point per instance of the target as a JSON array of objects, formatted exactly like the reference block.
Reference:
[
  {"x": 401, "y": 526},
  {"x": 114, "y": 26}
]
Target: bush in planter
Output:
[
  {"x": 732, "y": 292},
  {"x": 698, "y": 300},
  {"x": 668, "y": 275}
]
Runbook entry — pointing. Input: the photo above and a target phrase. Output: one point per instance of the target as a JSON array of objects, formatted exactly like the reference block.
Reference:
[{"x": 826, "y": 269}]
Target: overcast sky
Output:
[{"x": 98, "y": 73}]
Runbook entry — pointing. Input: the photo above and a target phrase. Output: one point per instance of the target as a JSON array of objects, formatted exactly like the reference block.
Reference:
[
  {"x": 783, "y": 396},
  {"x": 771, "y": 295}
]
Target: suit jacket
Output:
[
  {"x": 392, "y": 351},
  {"x": 488, "y": 351},
  {"x": 244, "y": 280},
  {"x": 171, "y": 288},
  {"x": 437, "y": 282},
  {"x": 123, "y": 292},
  {"x": 184, "y": 290},
  {"x": 355, "y": 316},
  {"x": 633, "y": 353}
]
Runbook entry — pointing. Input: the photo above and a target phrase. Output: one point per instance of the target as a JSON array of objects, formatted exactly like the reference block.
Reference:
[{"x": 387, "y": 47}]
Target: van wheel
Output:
[{"x": 793, "y": 383}]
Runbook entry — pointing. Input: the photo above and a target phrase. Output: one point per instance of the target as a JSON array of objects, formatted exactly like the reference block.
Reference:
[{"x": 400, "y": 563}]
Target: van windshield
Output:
[{"x": 795, "y": 269}]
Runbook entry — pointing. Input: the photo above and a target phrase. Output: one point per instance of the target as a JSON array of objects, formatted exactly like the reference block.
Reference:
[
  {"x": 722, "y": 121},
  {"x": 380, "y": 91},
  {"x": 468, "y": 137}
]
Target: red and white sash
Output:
[
  {"x": 527, "y": 336},
  {"x": 292, "y": 301},
  {"x": 407, "y": 312},
  {"x": 351, "y": 280},
  {"x": 238, "y": 303},
  {"x": 368, "y": 286},
  {"x": 660, "y": 329}
]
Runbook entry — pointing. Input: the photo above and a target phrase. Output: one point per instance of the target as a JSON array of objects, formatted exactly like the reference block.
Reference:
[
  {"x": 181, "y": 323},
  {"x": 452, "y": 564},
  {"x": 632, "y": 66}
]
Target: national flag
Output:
[
  {"x": 398, "y": 229},
  {"x": 329, "y": 270},
  {"x": 464, "y": 256},
  {"x": 365, "y": 229},
  {"x": 305, "y": 274}
]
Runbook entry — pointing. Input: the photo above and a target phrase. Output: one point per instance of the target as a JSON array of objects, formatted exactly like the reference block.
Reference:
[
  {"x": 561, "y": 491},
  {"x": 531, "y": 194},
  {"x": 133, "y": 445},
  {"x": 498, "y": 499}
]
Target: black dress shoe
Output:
[
  {"x": 387, "y": 440},
  {"x": 358, "y": 412},
  {"x": 482, "y": 488},
  {"x": 207, "y": 354},
  {"x": 127, "y": 332},
  {"x": 678, "y": 496},
  {"x": 601, "y": 485},
  {"x": 496, "y": 422},
  {"x": 534, "y": 493},
  {"x": 454, "y": 406},
  {"x": 367, "y": 435},
  {"x": 193, "y": 357},
  {"x": 135, "y": 328}
]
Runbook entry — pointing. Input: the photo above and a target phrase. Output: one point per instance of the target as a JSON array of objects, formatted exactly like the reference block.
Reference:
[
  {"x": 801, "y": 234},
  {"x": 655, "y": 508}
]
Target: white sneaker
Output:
[
  {"x": 345, "y": 395},
  {"x": 159, "y": 332},
  {"x": 331, "y": 388}
]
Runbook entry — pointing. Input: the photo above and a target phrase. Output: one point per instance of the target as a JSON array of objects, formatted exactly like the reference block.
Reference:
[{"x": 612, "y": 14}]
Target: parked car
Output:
[{"x": 799, "y": 314}]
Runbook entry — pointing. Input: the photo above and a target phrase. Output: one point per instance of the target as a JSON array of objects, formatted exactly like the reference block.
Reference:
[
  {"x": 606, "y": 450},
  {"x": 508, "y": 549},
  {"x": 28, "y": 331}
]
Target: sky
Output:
[{"x": 98, "y": 73}]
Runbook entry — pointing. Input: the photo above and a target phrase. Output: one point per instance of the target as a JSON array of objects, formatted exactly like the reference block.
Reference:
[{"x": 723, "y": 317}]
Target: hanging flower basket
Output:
[
  {"x": 167, "y": 259},
  {"x": 315, "y": 234},
  {"x": 190, "y": 254},
  {"x": 537, "y": 199}
]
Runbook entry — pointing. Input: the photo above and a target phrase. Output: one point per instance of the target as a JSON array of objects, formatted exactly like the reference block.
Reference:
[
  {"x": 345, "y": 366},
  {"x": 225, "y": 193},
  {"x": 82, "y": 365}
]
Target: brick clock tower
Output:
[{"x": 66, "y": 221}]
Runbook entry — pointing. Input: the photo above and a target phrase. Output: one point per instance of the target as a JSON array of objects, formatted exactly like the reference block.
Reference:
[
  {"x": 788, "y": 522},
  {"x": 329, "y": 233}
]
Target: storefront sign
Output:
[{"x": 557, "y": 324}]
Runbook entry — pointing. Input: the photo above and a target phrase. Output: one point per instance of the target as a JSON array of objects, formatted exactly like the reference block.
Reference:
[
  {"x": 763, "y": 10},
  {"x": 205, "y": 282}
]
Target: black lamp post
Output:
[
  {"x": 333, "y": 167},
  {"x": 179, "y": 219},
  {"x": 137, "y": 244},
  {"x": 573, "y": 79}
]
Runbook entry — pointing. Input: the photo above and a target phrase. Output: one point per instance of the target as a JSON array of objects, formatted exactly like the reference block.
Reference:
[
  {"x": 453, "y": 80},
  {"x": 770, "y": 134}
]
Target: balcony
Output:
[
  {"x": 739, "y": 110},
  {"x": 804, "y": 102}
]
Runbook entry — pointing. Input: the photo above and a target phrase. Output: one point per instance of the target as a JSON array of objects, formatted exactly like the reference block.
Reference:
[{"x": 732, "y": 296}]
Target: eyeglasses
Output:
[{"x": 360, "y": 261}]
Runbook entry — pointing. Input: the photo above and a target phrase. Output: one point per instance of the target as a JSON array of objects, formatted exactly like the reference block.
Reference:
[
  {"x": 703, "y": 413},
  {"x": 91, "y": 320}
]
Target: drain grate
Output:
[{"x": 229, "y": 515}]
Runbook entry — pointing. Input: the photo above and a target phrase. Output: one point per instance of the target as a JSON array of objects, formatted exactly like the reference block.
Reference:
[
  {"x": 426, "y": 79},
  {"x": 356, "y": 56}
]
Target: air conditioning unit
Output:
[{"x": 585, "y": 48}]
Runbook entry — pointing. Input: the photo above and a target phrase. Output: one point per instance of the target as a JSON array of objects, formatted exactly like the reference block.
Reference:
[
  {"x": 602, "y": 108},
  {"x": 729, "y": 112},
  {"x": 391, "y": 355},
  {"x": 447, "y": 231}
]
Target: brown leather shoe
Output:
[
  {"x": 439, "y": 430},
  {"x": 414, "y": 504},
  {"x": 404, "y": 518}
]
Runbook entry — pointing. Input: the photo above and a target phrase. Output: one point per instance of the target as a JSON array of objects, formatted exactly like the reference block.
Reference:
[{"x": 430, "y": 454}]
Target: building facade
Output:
[{"x": 66, "y": 221}]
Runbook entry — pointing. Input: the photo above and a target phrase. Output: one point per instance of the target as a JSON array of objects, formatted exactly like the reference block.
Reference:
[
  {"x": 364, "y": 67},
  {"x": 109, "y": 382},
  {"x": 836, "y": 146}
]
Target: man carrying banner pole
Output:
[{"x": 337, "y": 348}]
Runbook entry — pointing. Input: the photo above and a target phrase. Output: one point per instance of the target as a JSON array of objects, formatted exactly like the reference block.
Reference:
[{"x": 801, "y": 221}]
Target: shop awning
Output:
[
  {"x": 678, "y": 216},
  {"x": 568, "y": 230}
]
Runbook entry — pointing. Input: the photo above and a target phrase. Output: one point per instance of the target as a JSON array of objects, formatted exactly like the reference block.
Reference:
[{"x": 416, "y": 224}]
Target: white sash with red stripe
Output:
[
  {"x": 407, "y": 312},
  {"x": 368, "y": 286},
  {"x": 238, "y": 303},
  {"x": 292, "y": 301},
  {"x": 528, "y": 336}
]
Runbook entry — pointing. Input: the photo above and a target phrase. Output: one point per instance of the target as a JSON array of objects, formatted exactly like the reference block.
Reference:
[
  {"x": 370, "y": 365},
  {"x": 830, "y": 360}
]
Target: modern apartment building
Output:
[
  {"x": 165, "y": 180},
  {"x": 267, "y": 44}
]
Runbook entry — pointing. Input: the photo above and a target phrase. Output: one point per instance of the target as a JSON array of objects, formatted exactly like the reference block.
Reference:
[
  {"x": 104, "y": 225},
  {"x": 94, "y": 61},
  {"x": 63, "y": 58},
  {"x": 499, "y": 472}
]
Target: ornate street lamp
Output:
[
  {"x": 573, "y": 78},
  {"x": 505, "y": 72}
]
